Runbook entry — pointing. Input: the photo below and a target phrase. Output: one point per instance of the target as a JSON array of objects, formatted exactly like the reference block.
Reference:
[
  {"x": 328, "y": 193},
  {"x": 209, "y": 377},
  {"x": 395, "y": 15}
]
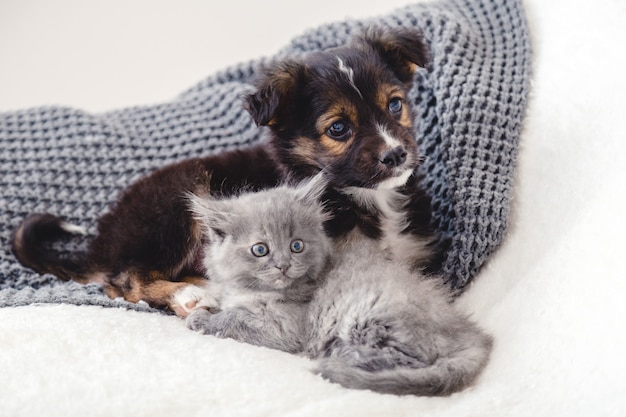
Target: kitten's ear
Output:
[
  {"x": 275, "y": 92},
  {"x": 404, "y": 50},
  {"x": 212, "y": 214},
  {"x": 311, "y": 191}
]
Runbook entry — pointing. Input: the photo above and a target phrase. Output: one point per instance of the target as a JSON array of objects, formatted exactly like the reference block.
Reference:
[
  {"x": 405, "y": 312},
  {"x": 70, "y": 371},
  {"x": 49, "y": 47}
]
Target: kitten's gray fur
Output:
[
  {"x": 375, "y": 325},
  {"x": 369, "y": 322},
  {"x": 259, "y": 304}
]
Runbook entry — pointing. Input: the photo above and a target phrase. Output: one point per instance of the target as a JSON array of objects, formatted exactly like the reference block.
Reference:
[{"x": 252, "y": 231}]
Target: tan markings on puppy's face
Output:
[
  {"x": 306, "y": 150},
  {"x": 387, "y": 92},
  {"x": 344, "y": 113},
  {"x": 339, "y": 111},
  {"x": 405, "y": 118},
  {"x": 334, "y": 147}
]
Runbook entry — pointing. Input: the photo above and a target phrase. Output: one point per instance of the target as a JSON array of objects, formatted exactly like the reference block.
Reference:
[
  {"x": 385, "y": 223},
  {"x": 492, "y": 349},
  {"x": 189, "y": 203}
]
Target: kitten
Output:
[
  {"x": 264, "y": 256},
  {"x": 369, "y": 322}
]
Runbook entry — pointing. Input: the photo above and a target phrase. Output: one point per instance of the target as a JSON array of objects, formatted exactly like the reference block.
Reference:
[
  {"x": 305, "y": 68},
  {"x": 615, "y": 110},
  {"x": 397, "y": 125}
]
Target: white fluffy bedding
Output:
[{"x": 553, "y": 295}]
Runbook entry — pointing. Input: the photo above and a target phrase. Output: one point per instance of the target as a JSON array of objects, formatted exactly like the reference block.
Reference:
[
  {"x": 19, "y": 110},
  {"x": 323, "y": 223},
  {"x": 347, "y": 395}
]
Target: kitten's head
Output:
[{"x": 267, "y": 240}]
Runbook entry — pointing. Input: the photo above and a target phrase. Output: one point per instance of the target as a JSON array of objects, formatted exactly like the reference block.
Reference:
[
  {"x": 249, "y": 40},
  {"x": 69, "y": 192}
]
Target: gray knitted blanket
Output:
[{"x": 470, "y": 105}]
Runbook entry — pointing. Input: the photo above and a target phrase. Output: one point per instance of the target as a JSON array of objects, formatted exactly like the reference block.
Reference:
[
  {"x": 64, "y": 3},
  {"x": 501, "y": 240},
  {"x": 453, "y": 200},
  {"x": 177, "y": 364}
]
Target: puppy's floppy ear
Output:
[
  {"x": 403, "y": 50},
  {"x": 276, "y": 90}
]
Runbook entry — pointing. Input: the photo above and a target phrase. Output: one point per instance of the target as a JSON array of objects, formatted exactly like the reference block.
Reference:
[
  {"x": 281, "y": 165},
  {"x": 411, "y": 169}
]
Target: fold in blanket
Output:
[{"x": 470, "y": 104}]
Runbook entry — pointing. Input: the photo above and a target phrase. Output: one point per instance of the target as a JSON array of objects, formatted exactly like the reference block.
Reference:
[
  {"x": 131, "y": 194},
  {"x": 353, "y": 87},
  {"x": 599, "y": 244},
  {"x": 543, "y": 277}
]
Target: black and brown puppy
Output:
[{"x": 343, "y": 110}]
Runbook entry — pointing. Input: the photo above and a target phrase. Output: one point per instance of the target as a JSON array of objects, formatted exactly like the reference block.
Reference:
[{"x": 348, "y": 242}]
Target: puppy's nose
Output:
[{"x": 394, "y": 157}]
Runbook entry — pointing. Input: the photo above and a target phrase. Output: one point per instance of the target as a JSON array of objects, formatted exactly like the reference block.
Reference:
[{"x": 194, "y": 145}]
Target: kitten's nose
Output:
[
  {"x": 394, "y": 157},
  {"x": 283, "y": 268}
]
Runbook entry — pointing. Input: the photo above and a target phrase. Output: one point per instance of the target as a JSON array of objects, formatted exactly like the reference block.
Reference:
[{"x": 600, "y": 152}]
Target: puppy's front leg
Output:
[
  {"x": 181, "y": 297},
  {"x": 193, "y": 295}
]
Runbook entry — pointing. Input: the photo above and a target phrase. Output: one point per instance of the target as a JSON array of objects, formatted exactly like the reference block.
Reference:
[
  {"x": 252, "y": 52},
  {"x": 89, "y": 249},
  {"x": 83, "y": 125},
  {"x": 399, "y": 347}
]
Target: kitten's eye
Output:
[
  {"x": 395, "y": 106},
  {"x": 297, "y": 246},
  {"x": 260, "y": 249},
  {"x": 339, "y": 130}
]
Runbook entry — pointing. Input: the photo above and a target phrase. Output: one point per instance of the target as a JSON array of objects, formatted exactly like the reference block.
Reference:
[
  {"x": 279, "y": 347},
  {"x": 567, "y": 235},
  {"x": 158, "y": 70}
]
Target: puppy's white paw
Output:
[{"x": 193, "y": 297}]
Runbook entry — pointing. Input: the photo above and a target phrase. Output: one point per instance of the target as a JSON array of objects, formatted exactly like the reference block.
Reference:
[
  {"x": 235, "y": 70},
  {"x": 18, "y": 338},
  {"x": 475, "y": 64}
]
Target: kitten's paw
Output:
[
  {"x": 198, "y": 320},
  {"x": 192, "y": 298}
]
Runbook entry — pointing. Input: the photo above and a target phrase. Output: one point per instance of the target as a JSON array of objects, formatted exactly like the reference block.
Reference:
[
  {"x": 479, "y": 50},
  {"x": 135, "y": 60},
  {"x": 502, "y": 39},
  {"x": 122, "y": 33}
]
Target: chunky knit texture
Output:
[{"x": 469, "y": 107}]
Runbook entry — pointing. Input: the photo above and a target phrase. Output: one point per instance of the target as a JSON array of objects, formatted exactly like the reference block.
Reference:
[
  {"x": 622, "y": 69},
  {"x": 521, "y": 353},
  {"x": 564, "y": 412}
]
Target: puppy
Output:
[{"x": 343, "y": 110}]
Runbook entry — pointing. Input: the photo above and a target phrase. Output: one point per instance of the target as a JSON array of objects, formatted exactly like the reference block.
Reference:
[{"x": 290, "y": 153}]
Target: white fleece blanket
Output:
[{"x": 553, "y": 295}]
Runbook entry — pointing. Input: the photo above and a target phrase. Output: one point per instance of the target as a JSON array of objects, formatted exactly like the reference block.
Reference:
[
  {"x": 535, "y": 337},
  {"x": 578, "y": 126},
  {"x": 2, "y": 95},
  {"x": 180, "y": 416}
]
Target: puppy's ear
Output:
[
  {"x": 276, "y": 91},
  {"x": 403, "y": 50}
]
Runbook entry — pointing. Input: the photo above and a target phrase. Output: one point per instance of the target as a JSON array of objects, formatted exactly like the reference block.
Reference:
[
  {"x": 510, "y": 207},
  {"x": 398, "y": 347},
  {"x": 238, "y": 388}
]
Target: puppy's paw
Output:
[{"x": 191, "y": 298}]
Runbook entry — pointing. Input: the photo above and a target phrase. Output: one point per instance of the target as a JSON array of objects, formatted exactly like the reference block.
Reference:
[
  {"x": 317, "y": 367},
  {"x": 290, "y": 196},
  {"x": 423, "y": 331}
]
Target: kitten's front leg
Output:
[
  {"x": 200, "y": 321},
  {"x": 243, "y": 326}
]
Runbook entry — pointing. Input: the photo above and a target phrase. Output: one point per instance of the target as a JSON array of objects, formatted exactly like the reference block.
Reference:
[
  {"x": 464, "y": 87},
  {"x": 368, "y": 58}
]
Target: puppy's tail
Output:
[
  {"x": 361, "y": 369},
  {"x": 31, "y": 241}
]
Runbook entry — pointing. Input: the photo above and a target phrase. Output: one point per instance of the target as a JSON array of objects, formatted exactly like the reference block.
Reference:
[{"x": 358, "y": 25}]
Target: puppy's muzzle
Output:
[{"x": 394, "y": 157}]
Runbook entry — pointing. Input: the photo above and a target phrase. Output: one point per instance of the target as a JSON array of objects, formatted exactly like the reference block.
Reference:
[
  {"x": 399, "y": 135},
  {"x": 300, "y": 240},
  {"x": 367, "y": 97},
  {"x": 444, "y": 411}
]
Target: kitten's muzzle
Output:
[{"x": 283, "y": 268}]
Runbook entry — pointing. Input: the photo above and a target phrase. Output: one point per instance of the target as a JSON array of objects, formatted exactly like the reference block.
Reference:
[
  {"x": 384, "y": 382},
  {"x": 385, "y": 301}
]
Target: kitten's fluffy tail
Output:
[
  {"x": 361, "y": 369},
  {"x": 30, "y": 246}
]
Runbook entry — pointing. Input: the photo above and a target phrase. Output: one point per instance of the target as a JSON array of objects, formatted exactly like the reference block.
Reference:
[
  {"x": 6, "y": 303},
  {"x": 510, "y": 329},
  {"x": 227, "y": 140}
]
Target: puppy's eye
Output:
[
  {"x": 297, "y": 246},
  {"x": 339, "y": 130},
  {"x": 259, "y": 249},
  {"x": 395, "y": 105}
]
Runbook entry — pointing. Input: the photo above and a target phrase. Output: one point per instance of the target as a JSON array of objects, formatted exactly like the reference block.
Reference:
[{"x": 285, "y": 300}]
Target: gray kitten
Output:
[
  {"x": 370, "y": 323},
  {"x": 264, "y": 257}
]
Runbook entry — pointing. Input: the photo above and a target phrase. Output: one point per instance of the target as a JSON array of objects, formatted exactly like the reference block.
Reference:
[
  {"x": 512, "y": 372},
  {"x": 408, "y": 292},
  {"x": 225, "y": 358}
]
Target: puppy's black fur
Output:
[{"x": 342, "y": 110}]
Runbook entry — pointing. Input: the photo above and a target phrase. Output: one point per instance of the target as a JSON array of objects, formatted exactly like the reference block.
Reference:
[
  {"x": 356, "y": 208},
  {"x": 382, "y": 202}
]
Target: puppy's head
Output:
[{"x": 345, "y": 110}]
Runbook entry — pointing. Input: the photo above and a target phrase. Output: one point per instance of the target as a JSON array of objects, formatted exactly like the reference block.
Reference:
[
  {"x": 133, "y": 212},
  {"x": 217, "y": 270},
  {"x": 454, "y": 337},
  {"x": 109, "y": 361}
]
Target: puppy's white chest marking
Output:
[{"x": 399, "y": 246}]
